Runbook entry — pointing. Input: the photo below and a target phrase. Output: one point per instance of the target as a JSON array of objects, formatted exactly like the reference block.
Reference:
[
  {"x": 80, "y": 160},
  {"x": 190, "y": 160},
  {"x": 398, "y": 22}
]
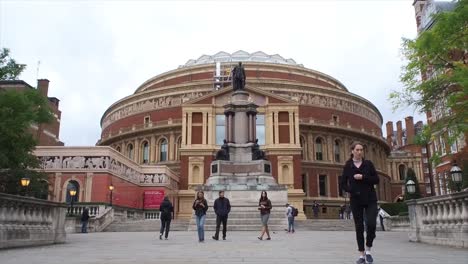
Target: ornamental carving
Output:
[
  {"x": 333, "y": 103},
  {"x": 149, "y": 105}
]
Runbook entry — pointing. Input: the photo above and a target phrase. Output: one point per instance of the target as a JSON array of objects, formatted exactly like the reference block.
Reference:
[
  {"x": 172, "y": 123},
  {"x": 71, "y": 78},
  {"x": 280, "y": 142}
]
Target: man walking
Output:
[{"x": 222, "y": 207}]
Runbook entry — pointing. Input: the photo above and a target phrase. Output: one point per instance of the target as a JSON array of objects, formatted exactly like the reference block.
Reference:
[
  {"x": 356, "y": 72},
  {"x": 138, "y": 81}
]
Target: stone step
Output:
[
  {"x": 145, "y": 225},
  {"x": 245, "y": 221},
  {"x": 241, "y": 228}
]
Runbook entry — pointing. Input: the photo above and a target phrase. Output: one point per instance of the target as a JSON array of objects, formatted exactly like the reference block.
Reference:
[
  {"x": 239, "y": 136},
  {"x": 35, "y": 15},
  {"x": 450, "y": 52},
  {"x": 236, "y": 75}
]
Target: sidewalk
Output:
[{"x": 331, "y": 247}]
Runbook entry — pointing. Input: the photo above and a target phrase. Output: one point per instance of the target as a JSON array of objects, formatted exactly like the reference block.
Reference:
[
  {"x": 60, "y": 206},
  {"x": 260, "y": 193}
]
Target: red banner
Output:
[{"x": 153, "y": 199}]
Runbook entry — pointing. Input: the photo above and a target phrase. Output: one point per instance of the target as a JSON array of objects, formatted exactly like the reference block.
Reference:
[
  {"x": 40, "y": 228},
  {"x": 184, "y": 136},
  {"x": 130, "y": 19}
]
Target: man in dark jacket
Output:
[
  {"x": 84, "y": 220},
  {"x": 166, "y": 210},
  {"x": 222, "y": 207}
]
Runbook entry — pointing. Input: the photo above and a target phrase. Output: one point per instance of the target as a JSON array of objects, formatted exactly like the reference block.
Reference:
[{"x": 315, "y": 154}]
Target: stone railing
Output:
[
  {"x": 96, "y": 223},
  {"x": 105, "y": 159},
  {"x": 94, "y": 210},
  {"x": 397, "y": 223},
  {"x": 441, "y": 220},
  {"x": 28, "y": 221}
]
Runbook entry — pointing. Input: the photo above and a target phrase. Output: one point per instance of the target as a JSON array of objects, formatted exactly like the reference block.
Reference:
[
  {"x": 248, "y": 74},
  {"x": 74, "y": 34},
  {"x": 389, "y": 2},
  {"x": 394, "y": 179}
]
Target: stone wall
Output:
[{"x": 28, "y": 221}]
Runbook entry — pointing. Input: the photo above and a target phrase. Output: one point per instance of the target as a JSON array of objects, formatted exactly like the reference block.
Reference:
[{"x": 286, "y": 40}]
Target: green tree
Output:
[
  {"x": 439, "y": 55},
  {"x": 18, "y": 111},
  {"x": 9, "y": 69},
  {"x": 410, "y": 175}
]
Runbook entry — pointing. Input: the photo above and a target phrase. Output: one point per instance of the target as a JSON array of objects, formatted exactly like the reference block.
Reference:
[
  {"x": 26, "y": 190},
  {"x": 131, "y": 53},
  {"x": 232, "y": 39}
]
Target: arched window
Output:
[
  {"x": 145, "y": 152},
  {"x": 130, "y": 151},
  {"x": 402, "y": 172},
  {"x": 43, "y": 190},
  {"x": 318, "y": 149},
  {"x": 76, "y": 186},
  {"x": 337, "y": 150},
  {"x": 163, "y": 150},
  {"x": 118, "y": 148}
]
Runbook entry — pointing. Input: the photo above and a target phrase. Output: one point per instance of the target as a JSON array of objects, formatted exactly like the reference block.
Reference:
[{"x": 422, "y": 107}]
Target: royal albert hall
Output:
[{"x": 161, "y": 139}]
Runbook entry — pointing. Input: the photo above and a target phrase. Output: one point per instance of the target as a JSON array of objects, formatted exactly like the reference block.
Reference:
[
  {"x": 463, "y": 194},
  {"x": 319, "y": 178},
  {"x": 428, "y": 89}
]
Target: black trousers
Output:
[
  {"x": 219, "y": 220},
  {"x": 370, "y": 211},
  {"x": 165, "y": 226}
]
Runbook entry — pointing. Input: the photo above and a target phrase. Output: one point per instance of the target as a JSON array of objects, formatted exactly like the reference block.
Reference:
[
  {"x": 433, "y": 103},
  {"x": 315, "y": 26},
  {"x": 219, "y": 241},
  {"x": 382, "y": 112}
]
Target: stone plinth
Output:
[{"x": 252, "y": 173}]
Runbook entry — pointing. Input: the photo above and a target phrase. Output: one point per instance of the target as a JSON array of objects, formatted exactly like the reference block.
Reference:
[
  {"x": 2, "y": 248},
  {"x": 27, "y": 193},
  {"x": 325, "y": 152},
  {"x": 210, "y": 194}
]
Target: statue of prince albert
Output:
[{"x": 238, "y": 77}]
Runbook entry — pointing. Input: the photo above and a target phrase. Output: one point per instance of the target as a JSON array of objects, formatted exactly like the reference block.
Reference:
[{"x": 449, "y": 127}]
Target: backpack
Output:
[{"x": 294, "y": 212}]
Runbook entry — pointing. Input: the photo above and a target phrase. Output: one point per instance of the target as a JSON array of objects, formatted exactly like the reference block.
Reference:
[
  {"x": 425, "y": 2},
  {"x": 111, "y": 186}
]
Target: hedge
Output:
[{"x": 395, "y": 208}]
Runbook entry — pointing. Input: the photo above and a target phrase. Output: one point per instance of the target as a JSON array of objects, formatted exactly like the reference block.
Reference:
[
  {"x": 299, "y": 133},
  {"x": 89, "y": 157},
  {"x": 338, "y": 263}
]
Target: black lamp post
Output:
[
  {"x": 72, "y": 192},
  {"x": 456, "y": 174},
  {"x": 111, "y": 189},
  {"x": 25, "y": 183}
]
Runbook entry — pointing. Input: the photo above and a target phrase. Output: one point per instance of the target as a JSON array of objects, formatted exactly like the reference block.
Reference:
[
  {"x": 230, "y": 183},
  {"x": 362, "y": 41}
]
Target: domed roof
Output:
[{"x": 240, "y": 55}]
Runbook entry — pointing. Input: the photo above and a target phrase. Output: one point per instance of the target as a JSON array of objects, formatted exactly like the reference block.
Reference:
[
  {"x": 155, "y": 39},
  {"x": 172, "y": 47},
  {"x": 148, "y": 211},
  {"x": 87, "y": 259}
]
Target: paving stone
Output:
[{"x": 330, "y": 247}]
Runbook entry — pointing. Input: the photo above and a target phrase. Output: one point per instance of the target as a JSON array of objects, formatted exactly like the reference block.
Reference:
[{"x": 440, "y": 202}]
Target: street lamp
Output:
[
  {"x": 410, "y": 187},
  {"x": 111, "y": 189},
  {"x": 456, "y": 173},
  {"x": 25, "y": 183},
  {"x": 72, "y": 192}
]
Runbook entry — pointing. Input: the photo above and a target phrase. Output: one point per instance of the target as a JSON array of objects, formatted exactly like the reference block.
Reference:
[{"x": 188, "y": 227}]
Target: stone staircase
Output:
[
  {"x": 324, "y": 225},
  {"x": 146, "y": 226},
  {"x": 244, "y": 219}
]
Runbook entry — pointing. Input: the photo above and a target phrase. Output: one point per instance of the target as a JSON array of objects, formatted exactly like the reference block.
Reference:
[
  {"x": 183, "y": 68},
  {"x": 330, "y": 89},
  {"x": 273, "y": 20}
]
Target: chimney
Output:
[
  {"x": 389, "y": 133},
  {"x": 409, "y": 130},
  {"x": 43, "y": 86},
  {"x": 399, "y": 134}
]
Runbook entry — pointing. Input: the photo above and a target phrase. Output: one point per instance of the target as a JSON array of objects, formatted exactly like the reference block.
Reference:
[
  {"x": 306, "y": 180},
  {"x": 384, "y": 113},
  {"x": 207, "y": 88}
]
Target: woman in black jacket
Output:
[
  {"x": 200, "y": 206},
  {"x": 358, "y": 179},
  {"x": 166, "y": 209}
]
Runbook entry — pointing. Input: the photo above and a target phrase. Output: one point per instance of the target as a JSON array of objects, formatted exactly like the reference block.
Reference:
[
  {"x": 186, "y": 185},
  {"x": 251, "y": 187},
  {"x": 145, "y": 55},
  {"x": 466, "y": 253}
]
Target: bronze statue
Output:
[
  {"x": 257, "y": 153},
  {"x": 223, "y": 153},
  {"x": 238, "y": 77}
]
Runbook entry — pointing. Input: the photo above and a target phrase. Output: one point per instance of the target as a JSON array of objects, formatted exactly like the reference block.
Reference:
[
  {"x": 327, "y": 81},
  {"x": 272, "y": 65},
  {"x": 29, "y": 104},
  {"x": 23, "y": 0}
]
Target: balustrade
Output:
[
  {"x": 440, "y": 219},
  {"x": 28, "y": 221}
]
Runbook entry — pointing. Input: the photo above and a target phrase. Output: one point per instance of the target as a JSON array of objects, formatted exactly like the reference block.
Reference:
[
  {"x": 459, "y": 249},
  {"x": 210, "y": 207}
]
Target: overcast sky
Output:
[{"x": 97, "y": 52}]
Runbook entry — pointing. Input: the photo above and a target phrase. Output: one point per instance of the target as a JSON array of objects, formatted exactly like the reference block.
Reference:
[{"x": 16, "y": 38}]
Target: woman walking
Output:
[
  {"x": 359, "y": 178},
  {"x": 200, "y": 206},
  {"x": 264, "y": 205},
  {"x": 166, "y": 210}
]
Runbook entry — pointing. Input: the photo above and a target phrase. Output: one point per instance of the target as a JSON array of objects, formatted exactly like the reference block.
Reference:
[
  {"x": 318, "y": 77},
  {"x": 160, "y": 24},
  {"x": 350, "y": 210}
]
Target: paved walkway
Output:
[{"x": 331, "y": 247}]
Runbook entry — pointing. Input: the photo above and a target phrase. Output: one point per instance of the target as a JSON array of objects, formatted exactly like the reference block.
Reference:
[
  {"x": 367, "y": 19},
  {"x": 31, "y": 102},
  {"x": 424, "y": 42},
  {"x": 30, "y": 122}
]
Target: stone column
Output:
[
  {"x": 254, "y": 127},
  {"x": 58, "y": 186},
  {"x": 276, "y": 127},
  {"x": 250, "y": 134},
  {"x": 296, "y": 124},
  {"x": 330, "y": 148},
  {"x": 269, "y": 127},
  {"x": 227, "y": 132},
  {"x": 189, "y": 129},
  {"x": 204, "y": 126},
  {"x": 152, "y": 149},
  {"x": 171, "y": 147},
  {"x": 136, "y": 149},
  {"x": 184, "y": 129},
  {"x": 210, "y": 129},
  {"x": 310, "y": 144},
  {"x": 291, "y": 127},
  {"x": 88, "y": 186}
]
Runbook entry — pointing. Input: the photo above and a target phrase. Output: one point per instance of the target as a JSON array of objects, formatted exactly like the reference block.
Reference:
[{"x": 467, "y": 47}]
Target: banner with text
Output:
[{"x": 153, "y": 199}]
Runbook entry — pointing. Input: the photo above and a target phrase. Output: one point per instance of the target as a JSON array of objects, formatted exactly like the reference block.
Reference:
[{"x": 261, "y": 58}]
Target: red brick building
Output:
[
  {"x": 45, "y": 134},
  {"x": 170, "y": 128}
]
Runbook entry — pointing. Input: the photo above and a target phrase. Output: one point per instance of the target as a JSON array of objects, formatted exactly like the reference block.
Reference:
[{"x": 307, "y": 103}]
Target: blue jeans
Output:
[
  {"x": 290, "y": 223},
  {"x": 201, "y": 227},
  {"x": 84, "y": 227}
]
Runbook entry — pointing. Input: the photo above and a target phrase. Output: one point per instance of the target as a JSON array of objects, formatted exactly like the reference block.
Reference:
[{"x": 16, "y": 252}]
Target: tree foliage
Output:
[
  {"x": 440, "y": 56},
  {"x": 9, "y": 69},
  {"x": 18, "y": 111},
  {"x": 410, "y": 175}
]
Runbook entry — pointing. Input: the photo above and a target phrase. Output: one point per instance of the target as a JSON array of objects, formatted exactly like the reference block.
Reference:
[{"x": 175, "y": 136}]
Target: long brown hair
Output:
[
  {"x": 261, "y": 196},
  {"x": 353, "y": 146},
  {"x": 203, "y": 195}
]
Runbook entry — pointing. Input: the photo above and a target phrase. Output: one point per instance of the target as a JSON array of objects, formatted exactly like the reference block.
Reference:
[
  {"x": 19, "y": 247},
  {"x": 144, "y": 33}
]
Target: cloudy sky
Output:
[{"x": 96, "y": 52}]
